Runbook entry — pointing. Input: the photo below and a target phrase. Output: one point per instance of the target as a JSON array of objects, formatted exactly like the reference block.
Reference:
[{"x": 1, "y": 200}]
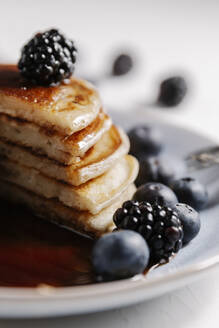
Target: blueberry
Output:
[
  {"x": 121, "y": 254},
  {"x": 160, "y": 169},
  {"x": 191, "y": 192},
  {"x": 190, "y": 220},
  {"x": 122, "y": 65},
  {"x": 172, "y": 91},
  {"x": 145, "y": 140},
  {"x": 156, "y": 193},
  {"x": 148, "y": 171}
]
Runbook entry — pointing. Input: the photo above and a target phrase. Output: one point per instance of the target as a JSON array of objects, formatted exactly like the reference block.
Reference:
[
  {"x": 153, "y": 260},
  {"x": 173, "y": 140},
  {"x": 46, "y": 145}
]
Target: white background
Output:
[{"x": 167, "y": 37}]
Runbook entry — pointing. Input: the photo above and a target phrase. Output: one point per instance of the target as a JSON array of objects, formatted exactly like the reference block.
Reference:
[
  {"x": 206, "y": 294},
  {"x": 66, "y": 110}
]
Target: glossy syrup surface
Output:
[
  {"x": 13, "y": 85},
  {"x": 35, "y": 252}
]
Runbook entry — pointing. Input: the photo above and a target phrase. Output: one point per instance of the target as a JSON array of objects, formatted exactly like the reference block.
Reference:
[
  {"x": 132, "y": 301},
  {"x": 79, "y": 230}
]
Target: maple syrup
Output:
[{"x": 35, "y": 252}]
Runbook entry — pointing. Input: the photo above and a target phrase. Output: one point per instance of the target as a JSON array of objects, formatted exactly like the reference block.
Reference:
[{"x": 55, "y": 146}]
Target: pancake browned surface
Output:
[
  {"x": 52, "y": 210},
  {"x": 64, "y": 149},
  {"x": 66, "y": 108},
  {"x": 113, "y": 145}
]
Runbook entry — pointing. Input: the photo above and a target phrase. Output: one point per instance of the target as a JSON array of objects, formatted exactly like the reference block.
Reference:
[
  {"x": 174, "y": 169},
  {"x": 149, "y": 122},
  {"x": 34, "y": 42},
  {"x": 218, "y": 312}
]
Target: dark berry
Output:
[
  {"x": 122, "y": 65},
  {"x": 160, "y": 169},
  {"x": 144, "y": 141},
  {"x": 119, "y": 215},
  {"x": 159, "y": 225},
  {"x": 128, "y": 217},
  {"x": 191, "y": 192},
  {"x": 190, "y": 220},
  {"x": 121, "y": 254},
  {"x": 155, "y": 193},
  {"x": 48, "y": 58},
  {"x": 130, "y": 222},
  {"x": 172, "y": 91},
  {"x": 128, "y": 204}
]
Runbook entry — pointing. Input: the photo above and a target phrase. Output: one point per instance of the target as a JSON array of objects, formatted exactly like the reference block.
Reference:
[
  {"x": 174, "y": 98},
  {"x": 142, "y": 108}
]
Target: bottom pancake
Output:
[{"x": 52, "y": 210}]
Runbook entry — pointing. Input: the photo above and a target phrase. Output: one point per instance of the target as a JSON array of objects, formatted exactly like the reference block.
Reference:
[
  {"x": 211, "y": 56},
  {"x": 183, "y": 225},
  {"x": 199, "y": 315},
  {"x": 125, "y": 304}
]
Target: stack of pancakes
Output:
[{"x": 60, "y": 154}]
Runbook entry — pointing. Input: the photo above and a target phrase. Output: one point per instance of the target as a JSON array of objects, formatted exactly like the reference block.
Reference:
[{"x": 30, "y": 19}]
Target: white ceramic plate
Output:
[{"x": 191, "y": 263}]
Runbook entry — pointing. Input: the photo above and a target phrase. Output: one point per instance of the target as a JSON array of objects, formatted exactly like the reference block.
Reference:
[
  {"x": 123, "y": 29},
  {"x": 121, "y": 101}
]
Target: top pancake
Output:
[{"x": 66, "y": 108}]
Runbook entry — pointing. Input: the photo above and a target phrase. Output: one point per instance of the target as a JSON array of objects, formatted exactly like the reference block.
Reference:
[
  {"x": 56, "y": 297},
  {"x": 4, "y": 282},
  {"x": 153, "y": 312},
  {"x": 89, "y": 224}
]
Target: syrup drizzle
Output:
[{"x": 35, "y": 252}]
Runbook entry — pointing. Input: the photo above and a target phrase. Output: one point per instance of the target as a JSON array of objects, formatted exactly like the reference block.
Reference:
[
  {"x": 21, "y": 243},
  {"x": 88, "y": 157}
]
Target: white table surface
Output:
[{"x": 169, "y": 37}]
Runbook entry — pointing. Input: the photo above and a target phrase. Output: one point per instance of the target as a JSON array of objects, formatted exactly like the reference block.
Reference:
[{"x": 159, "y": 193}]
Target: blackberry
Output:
[
  {"x": 48, "y": 58},
  {"x": 159, "y": 225},
  {"x": 172, "y": 91}
]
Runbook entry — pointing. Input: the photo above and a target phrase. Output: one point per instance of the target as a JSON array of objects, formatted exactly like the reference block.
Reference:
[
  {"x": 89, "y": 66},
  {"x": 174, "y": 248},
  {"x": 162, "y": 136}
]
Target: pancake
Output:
[
  {"x": 66, "y": 108},
  {"x": 92, "y": 196},
  {"x": 113, "y": 145},
  {"x": 56, "y": 146},
  {"x": 52, "y": 210}
]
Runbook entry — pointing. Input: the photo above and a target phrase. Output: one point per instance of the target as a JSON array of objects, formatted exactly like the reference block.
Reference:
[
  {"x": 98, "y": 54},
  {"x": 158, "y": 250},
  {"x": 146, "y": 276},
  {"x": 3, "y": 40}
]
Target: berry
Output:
[
  {"x": 190, "y": 220},
  {"x": 145, "y": 140},
  {"x": 48, "y": 58},
  {"x": 159, "y": 226},
  {"x": 119, "y": 255},
  {"x": 160, "y": 169},
  {"x": 172, "y": 91},
  {"x": 155, "y": 193},
  {"x": 122, "y": 65},
  {"x": 191, "y": 192}
]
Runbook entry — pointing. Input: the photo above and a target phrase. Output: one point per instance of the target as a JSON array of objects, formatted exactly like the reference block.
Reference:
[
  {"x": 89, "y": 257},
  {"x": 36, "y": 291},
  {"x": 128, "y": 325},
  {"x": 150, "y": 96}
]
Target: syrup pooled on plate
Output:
[{"x": 35, "y": 252}]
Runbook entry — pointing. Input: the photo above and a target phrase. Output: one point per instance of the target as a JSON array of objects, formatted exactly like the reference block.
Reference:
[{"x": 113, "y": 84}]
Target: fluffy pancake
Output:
[
  {"x": 113, "y": 145},
  {"x": 56, "y": 146},
  {"x": 92, "y": 196},
  {"x": 66, "y": 108},
  {"x": 52, "y": 210}
]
